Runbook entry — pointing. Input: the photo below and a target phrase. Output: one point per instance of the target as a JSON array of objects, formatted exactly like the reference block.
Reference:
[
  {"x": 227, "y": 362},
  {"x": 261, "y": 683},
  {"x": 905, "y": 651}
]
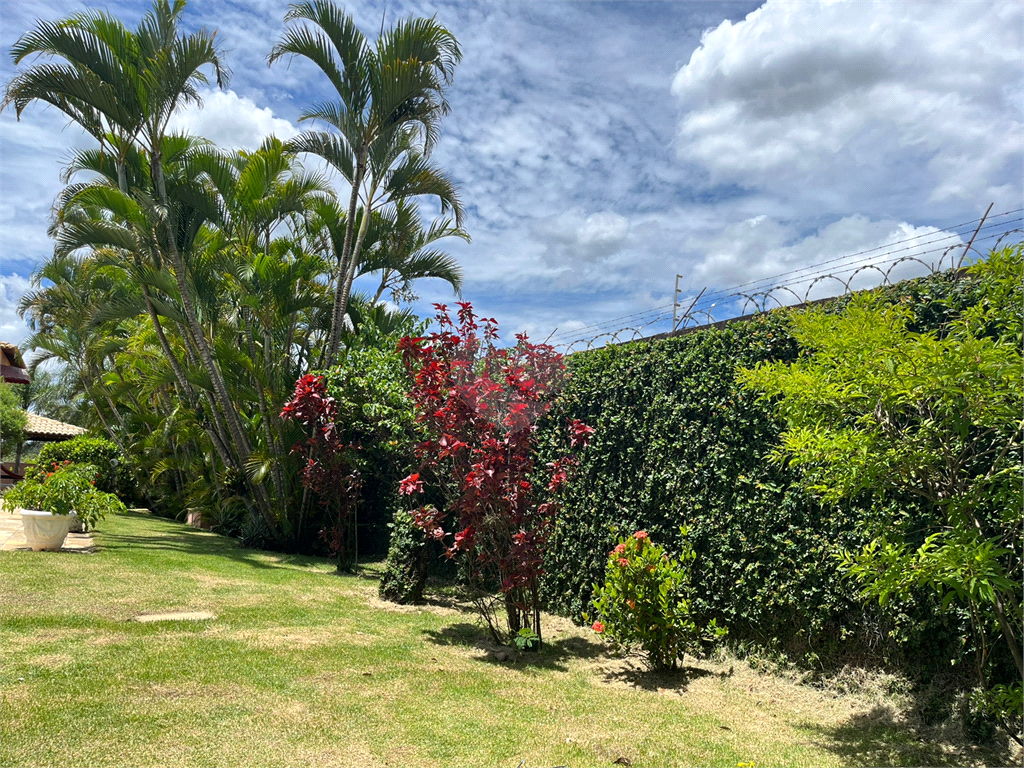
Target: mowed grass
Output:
[{"x": 306, "y": 667}]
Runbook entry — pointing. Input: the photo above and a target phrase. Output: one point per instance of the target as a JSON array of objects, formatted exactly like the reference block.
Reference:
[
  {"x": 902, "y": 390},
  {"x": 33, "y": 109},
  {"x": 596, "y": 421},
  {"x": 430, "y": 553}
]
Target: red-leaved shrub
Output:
[
  {"x": 478, "y": 405},
  {"x": 327, "y": 472}
]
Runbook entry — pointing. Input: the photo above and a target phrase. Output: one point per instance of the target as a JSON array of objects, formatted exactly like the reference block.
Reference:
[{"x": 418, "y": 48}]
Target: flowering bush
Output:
[
  {"x": 66, "y": 488},
  {"x": 478, "y": 405},
  {"x": 645, "y": 603}
]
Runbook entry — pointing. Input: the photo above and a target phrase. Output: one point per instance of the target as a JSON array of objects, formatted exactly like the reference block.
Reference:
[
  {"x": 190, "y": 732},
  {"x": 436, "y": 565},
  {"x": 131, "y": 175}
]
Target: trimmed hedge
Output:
[
  {"x": 100, "y": 452},
  {"x": 679, "y": 442}
]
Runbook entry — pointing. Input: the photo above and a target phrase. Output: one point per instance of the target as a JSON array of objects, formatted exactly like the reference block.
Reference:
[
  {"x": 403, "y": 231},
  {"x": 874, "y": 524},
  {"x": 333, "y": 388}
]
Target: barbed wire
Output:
[
  {"x": 797, "y": 290},
  {"x": 656, "y": 314}
]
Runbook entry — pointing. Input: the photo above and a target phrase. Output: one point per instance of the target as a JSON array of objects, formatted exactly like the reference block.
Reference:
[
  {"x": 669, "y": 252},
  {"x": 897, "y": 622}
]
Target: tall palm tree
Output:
[
  {"x": 391, "y": 96},
  {"x": 124, "y": 86}
]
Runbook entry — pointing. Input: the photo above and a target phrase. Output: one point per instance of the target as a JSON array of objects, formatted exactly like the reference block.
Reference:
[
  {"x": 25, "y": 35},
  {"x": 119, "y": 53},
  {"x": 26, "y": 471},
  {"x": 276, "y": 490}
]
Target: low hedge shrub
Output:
[{"x": 115, "y": 471}]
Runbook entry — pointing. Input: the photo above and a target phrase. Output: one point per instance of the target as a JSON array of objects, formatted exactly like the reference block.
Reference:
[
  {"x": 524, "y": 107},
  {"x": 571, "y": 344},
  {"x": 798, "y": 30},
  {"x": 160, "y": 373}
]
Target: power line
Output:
[
  {"x": 701, "y": 307},
  {"x": 659, "y": 309},
  {"x": 877, "y": 261},
  {"x": 872, "y": 262}
]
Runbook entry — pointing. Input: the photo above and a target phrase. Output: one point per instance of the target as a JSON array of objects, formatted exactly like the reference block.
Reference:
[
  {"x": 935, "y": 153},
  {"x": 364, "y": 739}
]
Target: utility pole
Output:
[
  {"x": 676, "y": 317},
  {"x": 675, "y": 304},
  {"x": 968, "y": 248}
]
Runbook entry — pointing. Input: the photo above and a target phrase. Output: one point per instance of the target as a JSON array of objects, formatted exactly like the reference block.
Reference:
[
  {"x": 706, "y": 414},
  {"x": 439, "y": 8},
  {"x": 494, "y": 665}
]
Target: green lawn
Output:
[{"x": 305, "y": 667}]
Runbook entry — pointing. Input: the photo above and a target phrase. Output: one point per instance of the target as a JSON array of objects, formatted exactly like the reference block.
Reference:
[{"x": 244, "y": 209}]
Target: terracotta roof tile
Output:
[{"x": 42, "y": 428}]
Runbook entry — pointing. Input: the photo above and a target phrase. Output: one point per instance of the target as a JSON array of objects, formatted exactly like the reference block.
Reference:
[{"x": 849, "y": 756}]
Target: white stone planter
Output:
[{"x": 45, "y": 530}]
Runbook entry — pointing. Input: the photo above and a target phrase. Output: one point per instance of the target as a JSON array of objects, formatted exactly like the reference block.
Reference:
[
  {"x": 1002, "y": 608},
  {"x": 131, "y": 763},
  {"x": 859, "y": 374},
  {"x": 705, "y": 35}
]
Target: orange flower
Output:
[
  {"x": 598, "y": 627},
  {"x": 623, "y": 562},
  {"x": 631, "y": 604}
]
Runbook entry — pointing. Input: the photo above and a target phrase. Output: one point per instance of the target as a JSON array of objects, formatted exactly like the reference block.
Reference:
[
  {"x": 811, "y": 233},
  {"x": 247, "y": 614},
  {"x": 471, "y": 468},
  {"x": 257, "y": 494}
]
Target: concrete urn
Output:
[{"x": 45, "y": 530}]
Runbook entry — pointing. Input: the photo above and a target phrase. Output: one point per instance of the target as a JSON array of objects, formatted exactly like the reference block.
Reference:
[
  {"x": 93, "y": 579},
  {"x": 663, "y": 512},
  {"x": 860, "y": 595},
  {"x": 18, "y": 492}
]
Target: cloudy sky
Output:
[{"x": 603, "y": 148}]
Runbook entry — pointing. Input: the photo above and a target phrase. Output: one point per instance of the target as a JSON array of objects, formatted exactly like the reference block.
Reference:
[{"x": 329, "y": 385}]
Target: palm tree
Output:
[
  {"x": 120, "y": 86},
  {"x": 399, "y": 250},
  {"x": 385, "y": 121},
  {"x": 124, "y": 86}
]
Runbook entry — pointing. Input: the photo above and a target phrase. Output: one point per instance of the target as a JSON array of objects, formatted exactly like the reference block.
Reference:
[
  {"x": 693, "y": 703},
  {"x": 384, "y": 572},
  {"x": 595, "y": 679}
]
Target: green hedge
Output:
[
  {"x": 116, "y": 472},
  {"x": 678, "y": 441}
]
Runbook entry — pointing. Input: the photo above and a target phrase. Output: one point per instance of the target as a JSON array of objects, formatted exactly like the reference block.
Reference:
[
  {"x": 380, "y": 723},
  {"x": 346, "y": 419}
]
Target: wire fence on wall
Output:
[{"x": 930, "y": 253}]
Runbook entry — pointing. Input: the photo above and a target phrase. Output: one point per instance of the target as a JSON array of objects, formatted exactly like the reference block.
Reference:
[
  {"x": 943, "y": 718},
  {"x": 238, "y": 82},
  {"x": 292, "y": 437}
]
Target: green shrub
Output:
[
  {"x": 116, "y": 473},
  {"x": 12, "y": 418},
  {"x": 645, "y": 603},
  {"x": 872, "y": 405},
  {"x": 405, "y": 571},
  {"x": 68, "y": 488},
  {"x": 368, "y": 386}
]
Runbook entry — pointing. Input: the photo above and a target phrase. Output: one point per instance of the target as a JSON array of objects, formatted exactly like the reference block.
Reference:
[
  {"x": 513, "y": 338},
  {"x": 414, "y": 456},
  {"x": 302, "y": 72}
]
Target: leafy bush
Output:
[
  {"x": 12, "y": 417},
  {"x": 65, "y": 489},
  {"x": 873, "y": 405},
  {"x": 328, "y": 472},
  {"x": 369, "y": 388},
  {"x": 405, "y": 571},
  {"x": 115, "y": 470},
  {"x": 675, "y": 431},
  {"x": 645, "y": 603},
  {"x": 477, "y": 405}
]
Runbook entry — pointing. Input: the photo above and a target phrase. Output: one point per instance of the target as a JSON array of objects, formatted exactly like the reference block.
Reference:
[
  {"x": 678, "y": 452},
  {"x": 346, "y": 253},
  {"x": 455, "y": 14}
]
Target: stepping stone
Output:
[{"x": 145, "y": 618}]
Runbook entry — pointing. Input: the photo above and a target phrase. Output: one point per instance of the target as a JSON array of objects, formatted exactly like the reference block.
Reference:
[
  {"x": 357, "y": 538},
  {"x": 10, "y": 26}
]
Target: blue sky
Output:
[{"x": 601, "y": 148}]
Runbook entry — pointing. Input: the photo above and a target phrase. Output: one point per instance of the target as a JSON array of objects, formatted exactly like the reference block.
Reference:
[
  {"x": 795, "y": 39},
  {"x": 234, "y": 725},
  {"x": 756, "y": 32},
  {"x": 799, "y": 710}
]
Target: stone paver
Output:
[
  {"x": 12, "y": 536},
  {"x": 145, "y": 618}
]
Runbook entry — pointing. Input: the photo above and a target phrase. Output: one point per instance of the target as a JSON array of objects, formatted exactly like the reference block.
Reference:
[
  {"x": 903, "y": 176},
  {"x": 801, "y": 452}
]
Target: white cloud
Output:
[
  {"x": 857, "y": 101},
  {"x": 232, "y": 121},
  {"x": 574, "y": 238},
  {"x": 598, "y": 162},
  {"x": 12, "y": 328}
]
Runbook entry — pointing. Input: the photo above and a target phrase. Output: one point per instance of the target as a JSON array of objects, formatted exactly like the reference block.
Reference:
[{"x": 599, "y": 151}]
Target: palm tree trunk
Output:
[
  {"x": 106, "y": 426},
  {"x": 340, "y": 291},
  {"x": 381, "y": 287},
  {"x": 215, "y": 432},
  {"x": 172, "y": 359},
  {"x": 353, "y": 261},
  {"x": 264, "y": 411}
]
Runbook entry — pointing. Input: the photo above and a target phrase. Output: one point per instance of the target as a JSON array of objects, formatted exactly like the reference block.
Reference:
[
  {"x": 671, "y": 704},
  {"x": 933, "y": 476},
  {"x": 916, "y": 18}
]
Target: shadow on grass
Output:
[
  {"x": 553, "y": 655},
  {"x": 657, "y": 680},
  {"x": 177, "y": 537},
  {"x": 878, "y": 738}
]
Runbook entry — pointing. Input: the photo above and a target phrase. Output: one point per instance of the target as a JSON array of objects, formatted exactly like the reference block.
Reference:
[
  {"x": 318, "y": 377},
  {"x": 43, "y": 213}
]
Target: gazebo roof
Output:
[
  {"x": 51, "y": 430},
  {"x": 13, "y": 354},
  {"x": 12, "y": 366}
]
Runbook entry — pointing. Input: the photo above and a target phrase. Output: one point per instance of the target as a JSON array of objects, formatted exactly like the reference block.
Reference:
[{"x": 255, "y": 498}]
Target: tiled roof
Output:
[{"x": 42, "y": 428}]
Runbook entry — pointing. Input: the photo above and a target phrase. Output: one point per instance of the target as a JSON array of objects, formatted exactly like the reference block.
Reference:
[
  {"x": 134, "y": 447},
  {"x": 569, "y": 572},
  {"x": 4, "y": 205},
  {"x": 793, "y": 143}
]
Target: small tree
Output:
[
  {"x": 478, "y": 405},
  {"x": 12, "y": 417},
  {"x": 872, "y": 405},
  {"x": 328, "y": 472}
]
